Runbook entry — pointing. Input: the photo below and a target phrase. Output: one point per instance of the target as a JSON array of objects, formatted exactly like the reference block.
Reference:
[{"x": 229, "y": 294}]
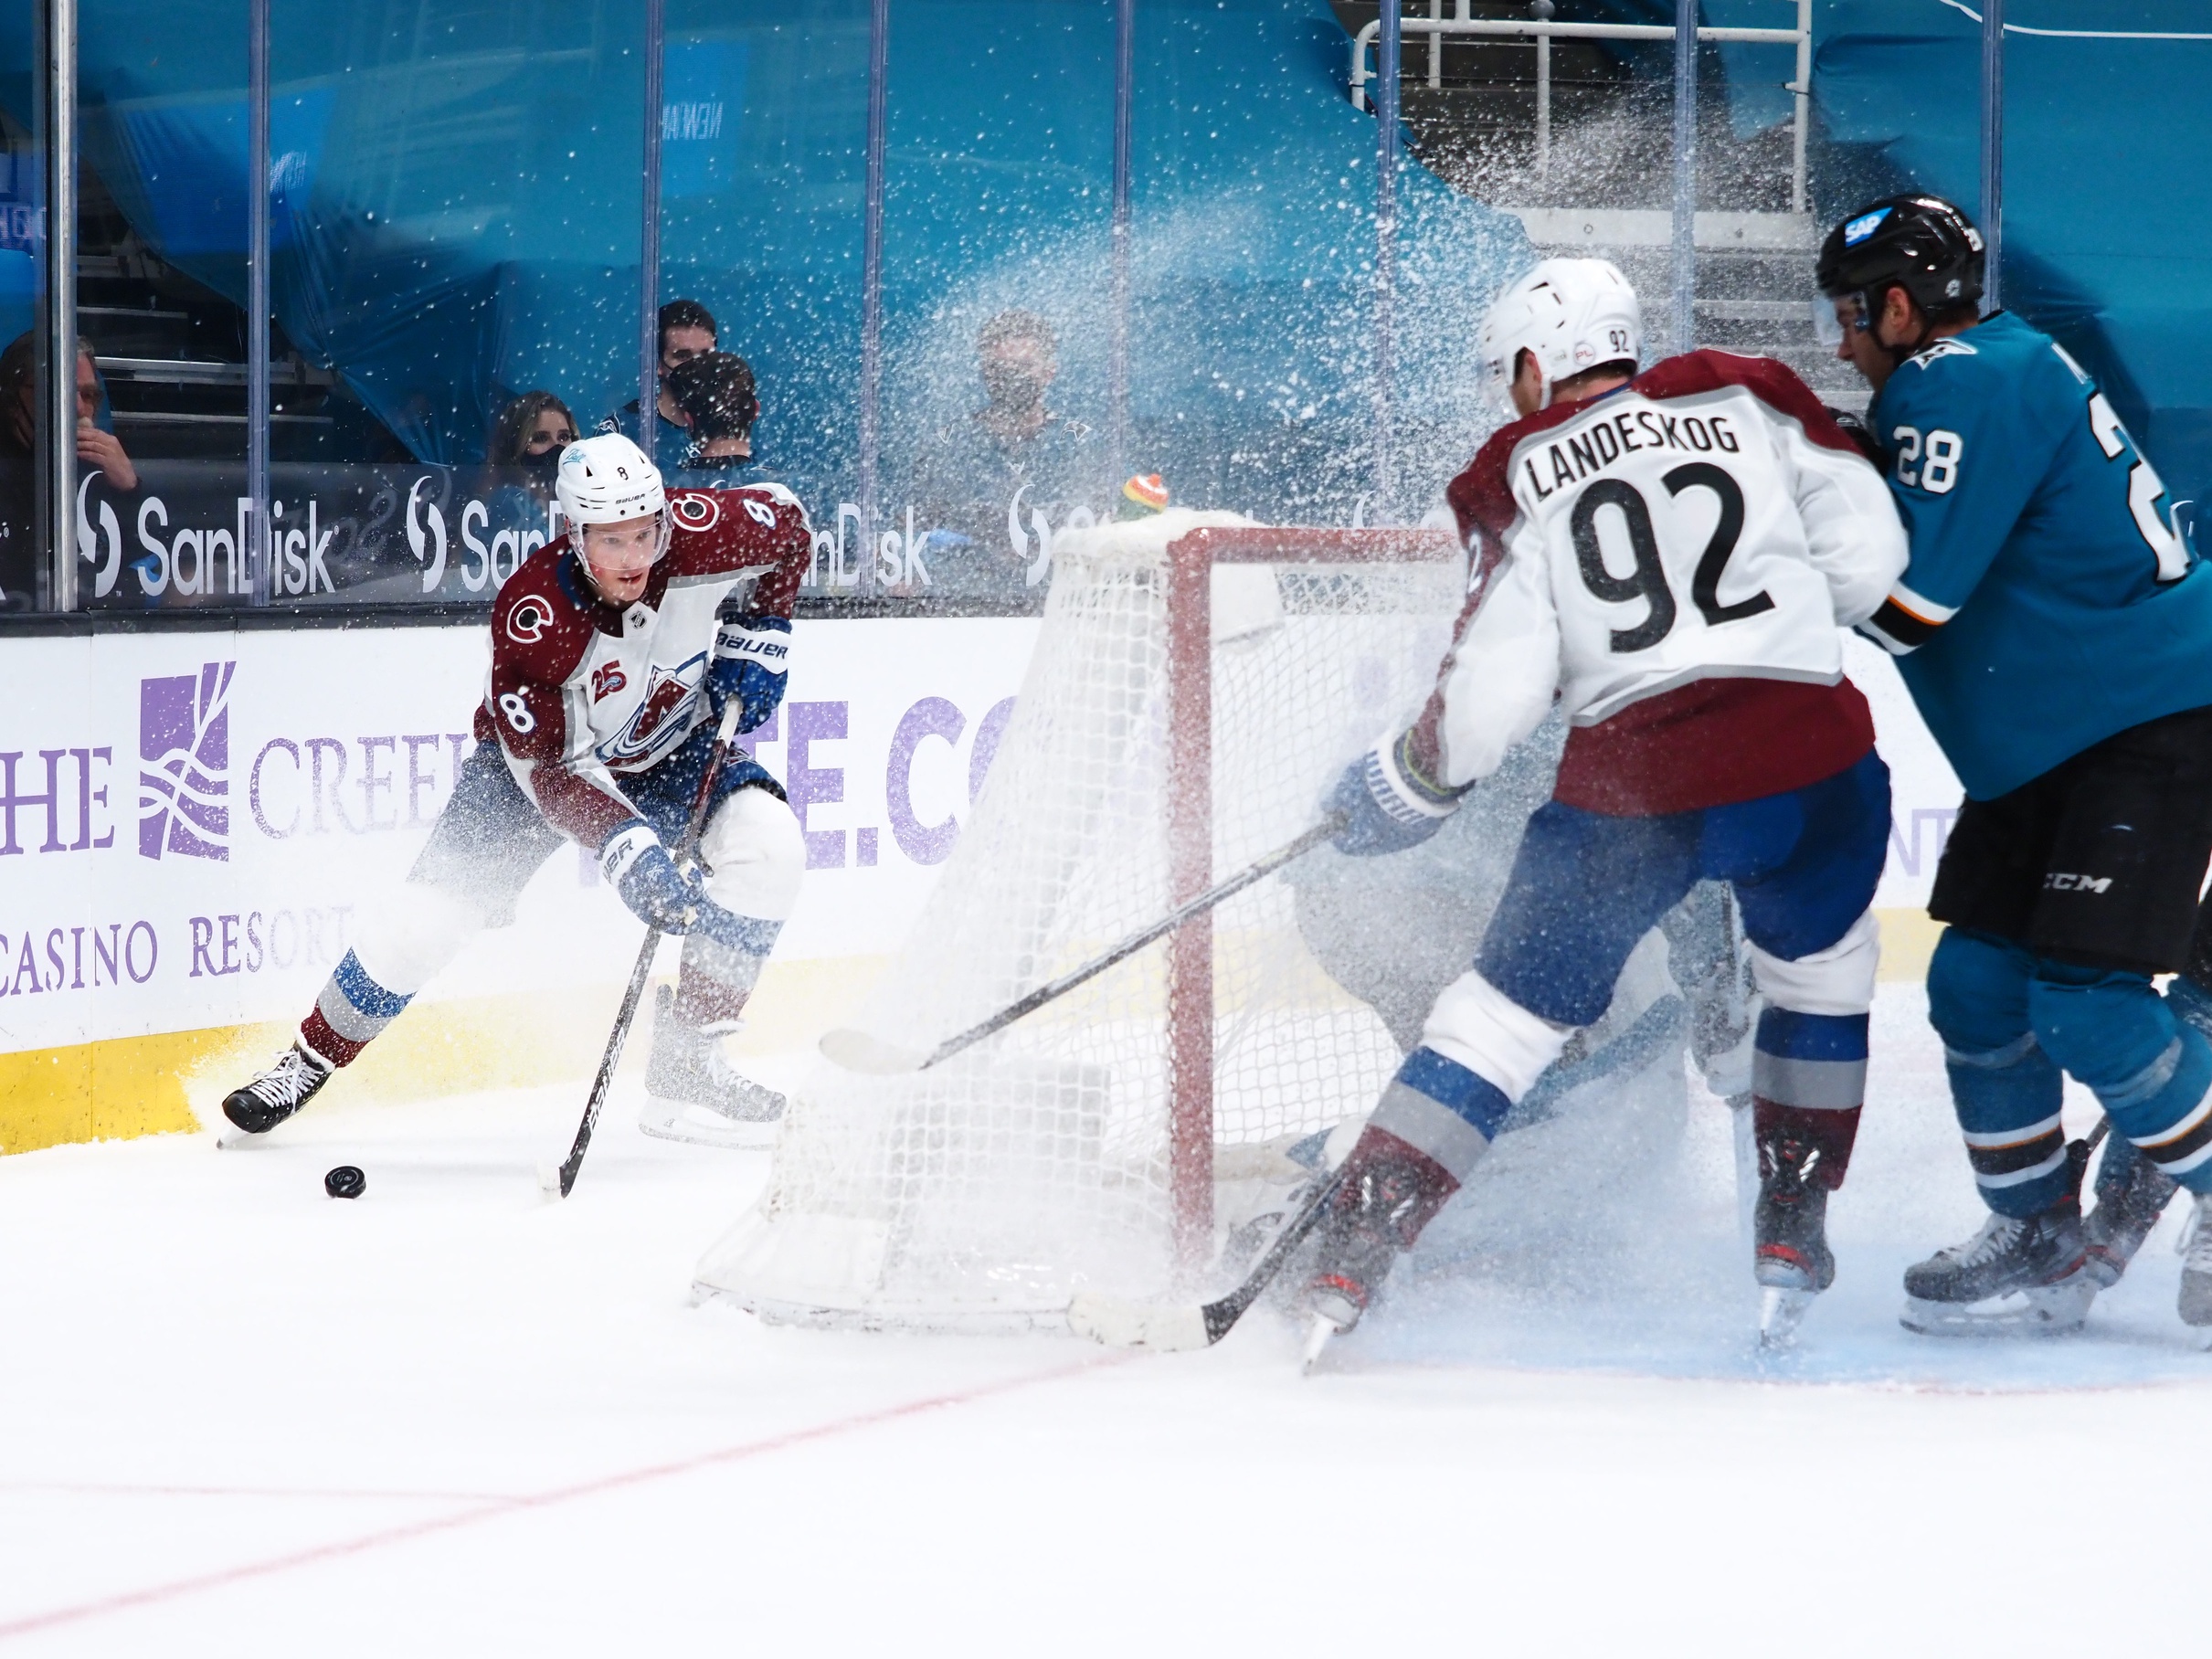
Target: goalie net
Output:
[{"x": 1198, "y": 683}]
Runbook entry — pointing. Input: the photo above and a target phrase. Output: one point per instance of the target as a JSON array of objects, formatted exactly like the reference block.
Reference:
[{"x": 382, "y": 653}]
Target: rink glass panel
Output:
[
  {"x": 23, "y": 422},
  {"x": 997, "y": 214},
  {"x": 455, "y": 220}
]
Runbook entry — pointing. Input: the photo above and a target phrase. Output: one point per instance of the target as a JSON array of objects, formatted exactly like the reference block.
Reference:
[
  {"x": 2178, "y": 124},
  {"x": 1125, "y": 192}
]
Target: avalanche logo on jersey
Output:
[
  {"x": 698, "y": 511},
  {"x": 527, "y": 622},
  {"x": 668, "y": 693}
]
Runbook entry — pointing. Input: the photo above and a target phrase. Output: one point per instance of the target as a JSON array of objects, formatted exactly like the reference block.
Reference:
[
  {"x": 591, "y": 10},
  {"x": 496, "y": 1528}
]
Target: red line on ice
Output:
[
  {"x": 314, "y": 1494},
  {"x": 528, "y": 1501}
]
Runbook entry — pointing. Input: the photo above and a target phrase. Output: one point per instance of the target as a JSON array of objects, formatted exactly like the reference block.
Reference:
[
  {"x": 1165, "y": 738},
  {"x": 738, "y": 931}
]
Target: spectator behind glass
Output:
[
  {"x": 529, "y": 436},
  {"x": 717, "y": 402},
  {"x": 715, "y": 394},
  {"x": 97, "y": 451},
  {"x": 520, "y": 458},
  {"x": 967, "y": 475},
  {"x": 687, "y": 331}
]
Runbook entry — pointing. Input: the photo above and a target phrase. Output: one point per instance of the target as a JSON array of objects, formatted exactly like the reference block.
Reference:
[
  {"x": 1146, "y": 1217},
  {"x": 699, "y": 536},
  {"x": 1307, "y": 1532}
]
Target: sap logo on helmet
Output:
[
  {"x": 1951, "y": 289},
  {"x": 2057, "y": 881},
  {"x": 1864, "y": 226}
]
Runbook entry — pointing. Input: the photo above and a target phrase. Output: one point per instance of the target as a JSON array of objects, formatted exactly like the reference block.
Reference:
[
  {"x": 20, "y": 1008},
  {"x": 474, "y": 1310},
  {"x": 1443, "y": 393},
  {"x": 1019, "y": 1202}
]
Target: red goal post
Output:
[{"x": 1192, "y": 559}]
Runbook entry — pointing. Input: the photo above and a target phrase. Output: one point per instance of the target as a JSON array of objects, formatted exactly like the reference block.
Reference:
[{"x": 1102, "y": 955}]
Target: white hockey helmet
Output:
[
  {"x": 606, "y": 479},
  {"x": 1571, "y": 315}
]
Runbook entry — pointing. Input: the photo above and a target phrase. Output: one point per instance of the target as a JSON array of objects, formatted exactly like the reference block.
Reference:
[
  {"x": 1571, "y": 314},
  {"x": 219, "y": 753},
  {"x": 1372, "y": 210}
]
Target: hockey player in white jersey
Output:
[
  {"x": 1670, "y": 556},
  {"x": 614, "y": 653}
]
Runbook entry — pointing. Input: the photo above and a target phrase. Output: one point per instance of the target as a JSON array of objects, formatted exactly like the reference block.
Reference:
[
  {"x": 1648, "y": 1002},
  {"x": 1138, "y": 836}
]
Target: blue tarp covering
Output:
[
  {"x": 2106, "y": 191},
  {"x": 458, "y": 197}
]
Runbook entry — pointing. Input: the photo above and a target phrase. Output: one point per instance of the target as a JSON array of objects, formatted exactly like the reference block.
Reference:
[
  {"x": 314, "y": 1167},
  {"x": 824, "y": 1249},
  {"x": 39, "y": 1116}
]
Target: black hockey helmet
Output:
[{"x": 1922, "y": 243}]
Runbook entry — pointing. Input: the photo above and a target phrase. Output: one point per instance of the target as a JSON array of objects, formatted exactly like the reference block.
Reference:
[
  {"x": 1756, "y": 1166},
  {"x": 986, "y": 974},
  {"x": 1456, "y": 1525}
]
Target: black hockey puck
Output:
[{"x": 346, "y": 1182}]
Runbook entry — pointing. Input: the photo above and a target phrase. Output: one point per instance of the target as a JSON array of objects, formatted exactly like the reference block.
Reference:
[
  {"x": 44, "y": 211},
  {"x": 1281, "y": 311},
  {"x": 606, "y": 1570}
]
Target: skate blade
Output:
[
  {"x": 1781, "y": 1312},
  {"x": 1319, "y": 1333},
  {"x": 871, "y": 1056},
  {"x": 227, "y": 1134},
  {"x": 674, "y": 1121},
  {"x": 1163, "y": 1328},
  {"x": 2047, "y": 1310}
]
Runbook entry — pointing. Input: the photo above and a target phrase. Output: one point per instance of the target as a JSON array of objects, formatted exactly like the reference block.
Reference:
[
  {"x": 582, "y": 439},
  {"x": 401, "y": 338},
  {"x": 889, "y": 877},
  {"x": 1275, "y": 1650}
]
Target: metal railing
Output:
[{"x": 1540, "y": 28}]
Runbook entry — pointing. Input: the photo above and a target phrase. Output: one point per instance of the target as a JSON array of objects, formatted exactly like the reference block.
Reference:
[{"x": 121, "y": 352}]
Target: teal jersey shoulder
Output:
[{"x": 2049, "y": 601}]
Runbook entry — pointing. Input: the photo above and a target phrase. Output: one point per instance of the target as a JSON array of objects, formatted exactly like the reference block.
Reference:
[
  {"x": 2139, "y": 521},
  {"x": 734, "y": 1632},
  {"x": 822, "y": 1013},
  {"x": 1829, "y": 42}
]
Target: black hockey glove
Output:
[
  {"x": 1383, "y": 812},
  {"x": 658, "y": 893},
  {"x": 1855, "y": 428}
]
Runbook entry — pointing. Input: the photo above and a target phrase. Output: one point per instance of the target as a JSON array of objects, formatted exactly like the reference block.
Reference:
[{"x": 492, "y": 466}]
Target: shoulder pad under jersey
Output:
[{"x": 538, "y": 630}]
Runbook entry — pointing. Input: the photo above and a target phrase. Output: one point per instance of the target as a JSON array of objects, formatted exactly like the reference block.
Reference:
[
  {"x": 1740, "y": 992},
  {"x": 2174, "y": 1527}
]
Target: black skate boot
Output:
[
  {"x": 2132, "y": 1194},
  {"x": 2197, "y": 1268},
  {"x": 693, "y": 1095},
  {"x": 1389, "y": 1193},
  {"x": 2014, "y": 1277},
  {"x": 288, "y": 1083},
  {"x": 1791, "y": 1259}
]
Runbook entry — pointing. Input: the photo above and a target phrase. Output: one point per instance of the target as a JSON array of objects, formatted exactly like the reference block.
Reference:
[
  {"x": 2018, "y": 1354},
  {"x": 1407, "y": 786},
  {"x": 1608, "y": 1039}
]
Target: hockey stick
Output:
[
  {"x": 1177, "y": 1327},
  {"x": 558, "y": 1182},
  {"x": 858, "y": 1051}
]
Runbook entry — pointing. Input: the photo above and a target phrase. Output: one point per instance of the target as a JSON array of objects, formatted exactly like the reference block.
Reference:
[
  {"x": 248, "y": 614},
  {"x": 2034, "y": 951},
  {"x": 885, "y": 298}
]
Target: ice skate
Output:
[
  {"x": 1387, "y": 1198},
  {"x": 693, "y": 1095},
  {"x": 2014, "y": 1277},
  {"x": 2132, "y": 1194},
  {"x": 289, "y": 1082},
  {"x": 2197, "y": 1269},
  {"x": 1791, "y": 1259},
  {"x": 1355, "y": 1256},
  {"x": 1321, "y": 1330}
]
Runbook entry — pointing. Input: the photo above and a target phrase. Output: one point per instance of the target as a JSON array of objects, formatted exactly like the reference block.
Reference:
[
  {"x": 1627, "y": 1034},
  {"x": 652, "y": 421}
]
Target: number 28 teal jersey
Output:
[{"x": 2049, "y": 601}]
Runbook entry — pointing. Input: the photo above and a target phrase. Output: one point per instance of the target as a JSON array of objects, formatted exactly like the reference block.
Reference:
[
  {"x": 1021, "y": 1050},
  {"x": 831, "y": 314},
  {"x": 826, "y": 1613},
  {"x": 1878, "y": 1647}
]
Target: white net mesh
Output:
[{"x": 988, "y": 1190}]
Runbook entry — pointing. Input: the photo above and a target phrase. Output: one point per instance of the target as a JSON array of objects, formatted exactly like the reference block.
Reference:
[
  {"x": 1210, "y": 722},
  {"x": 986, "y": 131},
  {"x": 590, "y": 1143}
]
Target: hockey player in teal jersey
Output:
[{"x": 2056, "y": 631}]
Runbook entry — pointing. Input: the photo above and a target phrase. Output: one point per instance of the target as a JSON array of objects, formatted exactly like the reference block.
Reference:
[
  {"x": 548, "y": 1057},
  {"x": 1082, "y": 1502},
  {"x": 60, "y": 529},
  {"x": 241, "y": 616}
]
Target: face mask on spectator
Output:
[{"x": 1015, "y": 382}]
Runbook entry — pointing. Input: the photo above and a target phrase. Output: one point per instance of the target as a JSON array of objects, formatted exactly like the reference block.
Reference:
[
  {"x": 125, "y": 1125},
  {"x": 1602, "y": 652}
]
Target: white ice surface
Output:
[{"x": 241, "y": 1418}]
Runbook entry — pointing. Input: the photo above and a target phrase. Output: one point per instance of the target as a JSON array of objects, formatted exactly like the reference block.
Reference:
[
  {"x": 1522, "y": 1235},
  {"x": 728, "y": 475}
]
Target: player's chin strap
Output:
[{"x": 1899, "y": 355}]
